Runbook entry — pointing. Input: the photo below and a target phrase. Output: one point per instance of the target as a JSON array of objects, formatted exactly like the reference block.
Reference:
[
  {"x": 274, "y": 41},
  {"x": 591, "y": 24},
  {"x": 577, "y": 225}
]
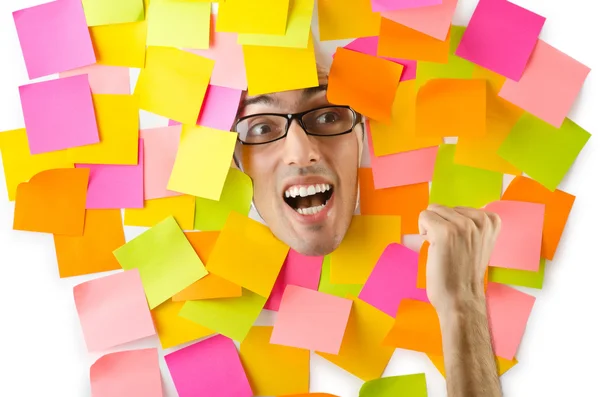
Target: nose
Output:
[{"x": 299, "y": 149}]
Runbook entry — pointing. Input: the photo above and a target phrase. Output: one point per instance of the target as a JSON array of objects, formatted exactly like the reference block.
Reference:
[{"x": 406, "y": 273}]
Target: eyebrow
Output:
[{"x": 269, "y": 100}]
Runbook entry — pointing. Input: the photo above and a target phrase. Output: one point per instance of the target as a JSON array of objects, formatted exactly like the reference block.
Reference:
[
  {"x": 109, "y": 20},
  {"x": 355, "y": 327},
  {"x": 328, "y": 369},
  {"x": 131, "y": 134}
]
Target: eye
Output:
[
  {"x": 260, "y": 129},
  {"x": 328, "y": 118}
]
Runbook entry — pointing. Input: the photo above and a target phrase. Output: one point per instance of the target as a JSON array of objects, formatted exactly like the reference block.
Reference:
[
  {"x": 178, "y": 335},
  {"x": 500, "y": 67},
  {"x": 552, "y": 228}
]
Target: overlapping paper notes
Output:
[{"x": 191, "y": 263}]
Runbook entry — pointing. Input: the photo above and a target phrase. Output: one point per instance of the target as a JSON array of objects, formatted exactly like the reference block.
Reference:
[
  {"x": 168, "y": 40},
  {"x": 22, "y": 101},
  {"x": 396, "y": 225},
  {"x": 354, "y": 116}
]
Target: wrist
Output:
[{"x": 461, "y": 308}]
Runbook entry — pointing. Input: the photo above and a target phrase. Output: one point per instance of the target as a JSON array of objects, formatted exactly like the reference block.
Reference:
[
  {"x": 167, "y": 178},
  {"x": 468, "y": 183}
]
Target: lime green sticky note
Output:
[
  {"x": 110, "y": 12},
  {"x": 236, "y": 196},
  {"x": 165, "y": 258},
  {"x": 232, "y": 317},
  {"x": 341, "y": 290},
  {"x": 459, "y": 185},
  {"x": 545, "y": 153},
  {"x": 183, "y": 24},
  {"x": 523, "y": 278},
  {"x": 395, "y": 386}
]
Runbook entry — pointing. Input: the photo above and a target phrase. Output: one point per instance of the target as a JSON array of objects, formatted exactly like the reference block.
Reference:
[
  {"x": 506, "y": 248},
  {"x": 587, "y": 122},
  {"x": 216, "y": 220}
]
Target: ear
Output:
[{"x": 360, "y": 136}]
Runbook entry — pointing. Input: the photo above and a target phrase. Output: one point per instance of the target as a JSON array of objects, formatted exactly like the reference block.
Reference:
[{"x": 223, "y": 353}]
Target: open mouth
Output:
[{"x": 308, "y": 199}]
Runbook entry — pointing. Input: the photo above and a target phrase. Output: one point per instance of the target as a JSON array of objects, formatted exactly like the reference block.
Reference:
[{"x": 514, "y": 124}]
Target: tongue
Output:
[{"x": 310, "y": 201}]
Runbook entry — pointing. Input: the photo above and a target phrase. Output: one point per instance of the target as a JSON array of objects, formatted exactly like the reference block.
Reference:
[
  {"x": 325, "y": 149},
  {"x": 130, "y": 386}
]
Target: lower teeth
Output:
[{"x": 311, "y": 210}]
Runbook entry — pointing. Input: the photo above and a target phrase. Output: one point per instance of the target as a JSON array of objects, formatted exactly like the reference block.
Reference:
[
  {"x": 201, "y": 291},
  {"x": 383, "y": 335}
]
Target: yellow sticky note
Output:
[
  {"x": 154, "y": 211},
  {"x": 367, "y": 237},
  {"x": 174, "y": 83},
  {"x": 256, "y": 16},
  {"x": 362, "y": 352},
  {"x": 179, "y": 24},
  {"x": 274, "y": 370},
  {"x": 107, "y": 12},
  {"x": 347, "y": 19},
  {"x": 174, "y": 330},
  {"x": 264, "y": 66},
  {"x": 202, "y": 161},
  {"x": 120, "y": 45},
  {"x": 118, "y": 125},
  {"x": 502, "y": 364},
  {"x": 20, "y": 165}
]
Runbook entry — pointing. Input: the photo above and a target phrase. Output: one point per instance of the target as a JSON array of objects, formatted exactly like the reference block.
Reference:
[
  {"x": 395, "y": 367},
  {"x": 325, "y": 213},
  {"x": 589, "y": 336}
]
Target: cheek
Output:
[{"x": 259, "y": 165}]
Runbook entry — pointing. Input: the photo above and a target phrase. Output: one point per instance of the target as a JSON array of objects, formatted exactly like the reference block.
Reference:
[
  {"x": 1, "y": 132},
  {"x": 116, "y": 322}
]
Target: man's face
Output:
[{"x": 305, "y": 187}]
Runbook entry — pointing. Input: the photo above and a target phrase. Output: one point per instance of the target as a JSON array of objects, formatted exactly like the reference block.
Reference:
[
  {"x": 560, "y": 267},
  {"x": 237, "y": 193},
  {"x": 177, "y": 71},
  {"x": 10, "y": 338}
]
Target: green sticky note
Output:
[
  {"x": 166, "y": 261},
  {"x": 459, "y": 185},
  {"x": 341, "y": 290},
  {"x": 395, "y": 386},
  {"x": 232, "y": 317},
  {"x": 545, "y": 153},
  {"x": 182, "y": 24},
  {"x": 236, "y": 196},
  {"x": 109, "y": 12},
  {"x": 518, "y": 277}
]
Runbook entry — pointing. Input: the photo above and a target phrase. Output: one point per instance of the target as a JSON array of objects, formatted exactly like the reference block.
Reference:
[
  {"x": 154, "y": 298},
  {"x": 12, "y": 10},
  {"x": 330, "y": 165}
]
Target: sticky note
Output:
[
  {"x": 232, "y": 317},
  {"x": 220, "y": 107},
  {"x": 102, "y": 12},
  {"x": 301, "y": 270},
  {"x": 53, "y": 201},
  {"x": 522, "y": 278},
  {"x": 409, "y": 385},
  {"x": 58, "y": 114},
  {"x": 248, "y": 254},
  {"x": 422, "y": 272},
  {"x": 335, "y": 14},
  {"x": 388, "y": 5},
  {"x": 311, "y": 395},
  {"x": 111, "y": 374},
  {"x": 365, "y": 82},
  {"x": 120, "y": 45},
  {"x": 365, "y": 240},
  {"x": 104, "y": 79},
  {"x": 311, "y": 320},
  {"x": 508, "y": 312},
  {"x": 210, "y": 367},
  {"x": 166, "y": 260},
  {"x": 154, "y": 211},
  {"x": 502, "y": 364},
  {"x": 557, "y": 204},
  {"x": 174, "y": 330},
  {"x": 264, "y": 66},
  {"x": 54, "y": 37},
  {"x": 274, "y": 369},
  {"x": 340, "y": 290},
  {"x": 202, "y": 162},
  {"x": 173, "y": 83},
  {"x": 179, "y": 24},
  {"x": 160, "y": 151},
  {"x": 368, "y": 45},
  {"x": 258, "y": 17},
  {"x": 91, "y": 252},
  {"x": 501, "y": 37},
  {"x": 458, "y": 185},
  {"x": 113, "y": 310},
  {"x": 433, "y": 21},
  {"x": 362, "y": 353},
  {"x": 543, "y": 152},
  {"x": 549, "y": 85}
]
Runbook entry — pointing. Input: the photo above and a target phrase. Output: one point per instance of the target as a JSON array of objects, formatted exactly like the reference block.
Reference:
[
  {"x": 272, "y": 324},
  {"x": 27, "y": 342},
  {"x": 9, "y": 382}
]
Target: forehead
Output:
[{"x": 287, "y": 101}]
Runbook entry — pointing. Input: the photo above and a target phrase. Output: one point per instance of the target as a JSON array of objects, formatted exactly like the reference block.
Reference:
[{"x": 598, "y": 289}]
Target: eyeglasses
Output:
[{"x": 258, "y": 129}]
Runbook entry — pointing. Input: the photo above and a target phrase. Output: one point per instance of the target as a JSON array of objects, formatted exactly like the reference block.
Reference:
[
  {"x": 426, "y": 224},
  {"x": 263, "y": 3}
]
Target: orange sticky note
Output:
[
  {"x": 365, "y": 82},
  {"x": 53, "y": 201},
  {"x": 422, "y": 271},
  {"x": 93, "y": 251},
  {"x": 502, "y": 364},
  {"x": 174, "y": 330},
  {"x": 182, "y": 208}
]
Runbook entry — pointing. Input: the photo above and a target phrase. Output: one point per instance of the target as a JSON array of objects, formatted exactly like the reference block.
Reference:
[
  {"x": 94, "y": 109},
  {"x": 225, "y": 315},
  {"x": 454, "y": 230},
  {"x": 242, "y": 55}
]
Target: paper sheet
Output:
[
  {"x": 433, "y": 21},
  {"x": 220, "y": 107},
  {"x": 522, "y": 278},
  {"x": 340, "y": 290},
  {"x": 154, "y": 211},
  {"x": 160, "y": 151},
  {"x": 257, "y": 17},
  {"x": 503, "y": 365},
  {"x": 120, "y": 45},
  {"x": 104, "y": 79},
  {"x": 409, "y": 385},
  {"x": 335, "y": 14},
  {"x": 174, "y": 330},
  {"x": 390, "y": 5},
  {"x": 179, "y": 24},
  {"x": 109, "y": 12}
]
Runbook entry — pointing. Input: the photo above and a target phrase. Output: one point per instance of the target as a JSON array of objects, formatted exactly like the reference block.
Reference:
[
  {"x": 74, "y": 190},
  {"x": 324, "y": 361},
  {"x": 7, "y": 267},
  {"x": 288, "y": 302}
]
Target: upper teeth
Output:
[{"x": 307, "y": 190}]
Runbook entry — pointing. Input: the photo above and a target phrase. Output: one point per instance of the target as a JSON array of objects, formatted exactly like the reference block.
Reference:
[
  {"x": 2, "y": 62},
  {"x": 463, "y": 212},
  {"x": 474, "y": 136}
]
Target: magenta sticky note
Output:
[
  {"x": 220, "y": 107},
  {"x": 508, "y": 313},
  {"x": 104, "y": 79},
  {"x": 389, "y": 5},
  {"x": 113, "y": 310},
  {"x": 59, "y": 114},
  {"x": 301, "y": 270},
  {"x": 549, "y": 86},
  {"x": 433, "y": 21},
  {"x": 394, "y": 278},
  {"x": 501, "y": 37},
  {"x": 116, "y": 186},
  {"x": 211, "y": 367},
  {"x": 368, "y": 45},
  {"x": 127, "y": 373},
  {"x": 160, "y": 151},
  {"x": 54, "y": 37},
  {"x": 519, "y": 244}
]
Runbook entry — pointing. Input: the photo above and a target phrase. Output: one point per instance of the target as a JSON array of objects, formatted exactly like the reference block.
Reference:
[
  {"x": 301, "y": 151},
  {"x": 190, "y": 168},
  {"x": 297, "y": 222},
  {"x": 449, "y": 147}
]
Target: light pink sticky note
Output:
[
  {"x": 104, "y": 79},
  {"x": 116, "y": 186},
  {"x": 508, "y": 313},
  {"x": 160, "y": 151},
  {"x": 220, "y": 107},
  {"x": 303, "y": 271},
  {"x": 311, "y": 320},
  {"x": 501, "y": 37},
  {"x": 211, "y": 367},
  {"x": 389, "y": 5},
  {"x": 434, "y": 21},
  {"x": 59, "y": 114},
  {"x": 519, "y": 244},
  {"x": 368, "y": 45},
  {"x": 127, "y": 373},
  {"x": 54, "y": 37},
  {"x": 549, "y": 86},
  {"x": 394, "y": 278},
  {"x": 113, "y": 310}
]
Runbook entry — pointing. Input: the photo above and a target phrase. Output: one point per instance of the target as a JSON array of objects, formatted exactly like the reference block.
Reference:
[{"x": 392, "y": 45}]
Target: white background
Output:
[{"x": 42, "y": 352}]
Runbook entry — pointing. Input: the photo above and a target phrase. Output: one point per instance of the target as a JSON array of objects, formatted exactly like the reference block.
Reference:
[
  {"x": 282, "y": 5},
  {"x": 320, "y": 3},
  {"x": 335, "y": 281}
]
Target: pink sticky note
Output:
[
  {"x": 113, "y": 310},
  {"x": 519, "y": 244},
  {"x": 59, "y": 114},
  {"x": 549, "y": 86},
  {"x": 434, "y": 21},
  {"x": 54, "y": 37},
  {"x": 116, "y": 186},
  {"x": 160, "y": 151},
  {"x": 394, "y": 278},
  {"x": 311, "y": 320},
  {"x": 303, "y": 271},
  {"x": 501, "y": 37},
  {"x": 220, "y": 107},
  {"x": 211, "y": 367},
  {"x": 127, "y": 373},
  {"x": 389, "y": 5},
  {"x": 508, "y": 312},
  {"x": 368, "y": 45},
  {"x": 104, "y": 79}
]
